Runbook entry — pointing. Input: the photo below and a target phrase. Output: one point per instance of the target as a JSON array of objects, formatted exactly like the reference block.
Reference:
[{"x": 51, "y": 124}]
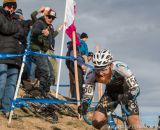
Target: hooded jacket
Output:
[{"x": 9, "y": 38}]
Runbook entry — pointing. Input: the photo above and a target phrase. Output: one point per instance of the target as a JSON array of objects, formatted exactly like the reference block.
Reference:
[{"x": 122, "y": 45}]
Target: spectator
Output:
[
  {"x": 70, "y": 66},
  {"x": 9, "y": 44},
  {"x": 26, "y": 25},
  {"x": 83, "y": 48},
  {"x": 42, "y": 39},
  {"x": 43, "y": 10},
  {"x": 90, "y": 56},
  {"x": 19, "y": 13}
]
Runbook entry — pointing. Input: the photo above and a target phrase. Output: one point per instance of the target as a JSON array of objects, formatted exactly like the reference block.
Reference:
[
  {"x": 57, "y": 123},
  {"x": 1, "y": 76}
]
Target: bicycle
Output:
[
  {"x": 114, "y": 121},
  {"x": 48, "y": 112}
]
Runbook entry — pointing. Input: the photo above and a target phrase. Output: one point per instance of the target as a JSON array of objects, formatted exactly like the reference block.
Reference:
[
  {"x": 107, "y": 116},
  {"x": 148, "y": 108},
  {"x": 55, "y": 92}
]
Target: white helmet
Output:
[{"x": 102, "y": 58}]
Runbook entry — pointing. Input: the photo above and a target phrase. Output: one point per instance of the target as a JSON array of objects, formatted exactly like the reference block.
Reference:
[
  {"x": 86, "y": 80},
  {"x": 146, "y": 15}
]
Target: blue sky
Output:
[{"x": 129, "y": 28}]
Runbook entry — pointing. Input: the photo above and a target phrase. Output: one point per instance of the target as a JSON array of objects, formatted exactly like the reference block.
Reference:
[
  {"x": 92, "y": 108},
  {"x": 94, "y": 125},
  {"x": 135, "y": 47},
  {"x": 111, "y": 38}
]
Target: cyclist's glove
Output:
[
  {"x": 123, "y": 98},
  {"x": 82, "y": 109}
]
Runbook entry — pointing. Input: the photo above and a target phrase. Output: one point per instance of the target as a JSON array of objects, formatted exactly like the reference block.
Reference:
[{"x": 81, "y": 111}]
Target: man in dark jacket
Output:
[
  {"x": 9, "y": 44},
  {"x": 42, "y": 39},
  {"x": 51, "y": 51},
  {"x": 70, "y": 66}
]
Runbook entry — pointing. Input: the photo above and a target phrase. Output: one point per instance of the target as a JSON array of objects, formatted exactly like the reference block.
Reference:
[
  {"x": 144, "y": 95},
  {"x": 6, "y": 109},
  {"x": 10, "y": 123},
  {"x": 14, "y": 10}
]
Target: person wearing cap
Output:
[
  {"x": 90, "y": 56},
  {"x": 19, "y": 14},
  {"x": 24, "y": 26},
  {"x": 42, "y": 11},
  {"x": 9, "y": 44},
  {"x": 42, "y": 39}
]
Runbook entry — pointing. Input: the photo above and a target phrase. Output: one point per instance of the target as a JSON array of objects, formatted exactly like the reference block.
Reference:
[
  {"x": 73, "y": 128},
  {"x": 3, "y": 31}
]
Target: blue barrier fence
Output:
[
  {"x": 3, "y": 56},
  {"x": 22, "y": 101}
]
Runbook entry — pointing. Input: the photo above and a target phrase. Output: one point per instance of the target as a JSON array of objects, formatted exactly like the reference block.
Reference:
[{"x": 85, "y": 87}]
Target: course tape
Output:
[
  {"x": 3, "y": 56},
  {"x": 44, "y": 100},
  {"x": 62, "y": 85},
  {"x": 19, "y": 102}
]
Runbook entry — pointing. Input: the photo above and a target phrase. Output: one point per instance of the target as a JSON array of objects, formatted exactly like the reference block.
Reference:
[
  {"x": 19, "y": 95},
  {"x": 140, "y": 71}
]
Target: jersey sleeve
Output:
[
  {"x": 129, "y": 78},
  {"x": 89, "y": 87}
]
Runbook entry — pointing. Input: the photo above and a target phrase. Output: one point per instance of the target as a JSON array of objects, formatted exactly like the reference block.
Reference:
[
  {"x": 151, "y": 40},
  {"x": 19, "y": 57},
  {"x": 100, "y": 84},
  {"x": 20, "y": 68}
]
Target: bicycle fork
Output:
[{"x": 111, "y": 121}]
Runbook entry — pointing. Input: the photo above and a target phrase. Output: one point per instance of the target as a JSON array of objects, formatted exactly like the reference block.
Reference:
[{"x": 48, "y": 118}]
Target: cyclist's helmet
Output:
[{"x": 102, "y": 59}]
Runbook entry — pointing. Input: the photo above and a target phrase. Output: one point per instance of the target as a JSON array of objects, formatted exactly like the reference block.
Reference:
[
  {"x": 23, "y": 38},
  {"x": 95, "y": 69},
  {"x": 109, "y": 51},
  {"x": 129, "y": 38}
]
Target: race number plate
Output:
[
  {"x": 88, "y": 89},
  {"x": 131, "y": 81}
]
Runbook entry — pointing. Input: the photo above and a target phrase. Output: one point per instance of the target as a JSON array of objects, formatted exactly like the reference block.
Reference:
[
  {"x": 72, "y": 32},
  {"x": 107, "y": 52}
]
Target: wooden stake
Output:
[{"x": 75, "y": 67}]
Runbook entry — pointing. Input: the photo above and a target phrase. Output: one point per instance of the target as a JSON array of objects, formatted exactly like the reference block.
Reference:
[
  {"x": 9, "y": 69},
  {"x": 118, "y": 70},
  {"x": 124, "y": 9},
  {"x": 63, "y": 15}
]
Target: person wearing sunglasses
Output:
[
  {"x": 10, "y": 6},
  {"x": 42, "y": 40},
  {"x": 121, "y": 85},
  {"x": 9, "y": 44},
  {"x": 43, "y": 11}
]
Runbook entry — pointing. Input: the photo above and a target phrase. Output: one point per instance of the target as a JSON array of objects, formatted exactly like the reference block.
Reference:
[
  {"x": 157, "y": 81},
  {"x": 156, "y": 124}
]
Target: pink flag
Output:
[{"x": 70, "y": 18}]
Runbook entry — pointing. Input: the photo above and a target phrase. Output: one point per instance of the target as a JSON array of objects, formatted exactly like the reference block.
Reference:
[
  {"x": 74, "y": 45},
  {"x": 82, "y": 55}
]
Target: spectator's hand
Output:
[
  {"x": 45, "y": 32},
  {"x": 82, "y": 109},
  {"x": 41, "y": 9},
  {"x": 123, "y": 98},
  {"x": 61, "y": 26}
]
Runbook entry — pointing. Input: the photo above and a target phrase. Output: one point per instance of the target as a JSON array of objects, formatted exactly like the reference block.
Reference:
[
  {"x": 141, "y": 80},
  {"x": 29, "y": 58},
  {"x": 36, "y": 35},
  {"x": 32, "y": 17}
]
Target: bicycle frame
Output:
[
  {"x": 123, "y": 118},
  {"x": 110, "y": 116}
]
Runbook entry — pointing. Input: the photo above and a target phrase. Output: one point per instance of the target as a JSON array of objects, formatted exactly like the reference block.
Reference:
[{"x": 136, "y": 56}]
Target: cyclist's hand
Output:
[
  {"x": 82, "y": 109},
  {"x": 123, "y": 98}
]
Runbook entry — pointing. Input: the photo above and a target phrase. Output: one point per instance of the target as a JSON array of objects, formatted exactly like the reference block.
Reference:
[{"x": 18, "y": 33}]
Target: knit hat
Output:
[
  {"x": 84, "y": 35},
  {"x": 9, "y": 3},
  {"x": 19, "y": 12},
  {"x": 50, "y": 12}
]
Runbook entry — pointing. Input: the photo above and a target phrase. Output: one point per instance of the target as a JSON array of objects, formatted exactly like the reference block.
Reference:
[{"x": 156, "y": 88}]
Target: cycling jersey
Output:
[{"x": 122, "y": 82}]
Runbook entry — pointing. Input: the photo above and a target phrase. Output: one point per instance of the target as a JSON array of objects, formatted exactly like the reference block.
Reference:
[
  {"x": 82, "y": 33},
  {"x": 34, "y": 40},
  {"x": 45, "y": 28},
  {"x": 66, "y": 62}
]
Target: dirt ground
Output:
[
  {"x": 33, "y": 123},
  {"x": 27, "y": 121}
]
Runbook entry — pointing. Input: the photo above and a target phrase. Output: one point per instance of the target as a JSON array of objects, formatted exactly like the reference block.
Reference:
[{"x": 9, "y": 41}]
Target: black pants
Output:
[
  {"x": 70, "y": 66},
  {"x": 45, "y": 71}
]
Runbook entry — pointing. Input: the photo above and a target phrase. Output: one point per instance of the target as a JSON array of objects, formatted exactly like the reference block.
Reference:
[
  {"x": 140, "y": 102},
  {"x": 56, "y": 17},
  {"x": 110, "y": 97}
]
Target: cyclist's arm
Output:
[
  {"x": 89, "y": 87},
  {"x": 133, "y": 85},
  {"x": 129, "y": 78}
]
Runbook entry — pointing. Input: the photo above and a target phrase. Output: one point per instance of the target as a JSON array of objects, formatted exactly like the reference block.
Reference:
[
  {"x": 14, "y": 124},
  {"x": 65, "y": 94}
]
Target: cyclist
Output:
[{"x": 121, "y": 85}]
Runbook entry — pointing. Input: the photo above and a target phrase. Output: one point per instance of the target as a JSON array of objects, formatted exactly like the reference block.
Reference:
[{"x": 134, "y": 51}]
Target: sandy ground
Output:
[
  {"x": 34, "y": 123},
  {"x": 27, "y": 121}
]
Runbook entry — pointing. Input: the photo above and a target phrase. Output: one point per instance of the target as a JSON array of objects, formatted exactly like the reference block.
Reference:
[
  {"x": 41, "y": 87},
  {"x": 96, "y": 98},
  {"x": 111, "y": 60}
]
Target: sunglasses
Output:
[
  {"x": 50, "y": 17},
  {"x": 11, "y": 6},
  {"x": 102, "y": 70}
]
